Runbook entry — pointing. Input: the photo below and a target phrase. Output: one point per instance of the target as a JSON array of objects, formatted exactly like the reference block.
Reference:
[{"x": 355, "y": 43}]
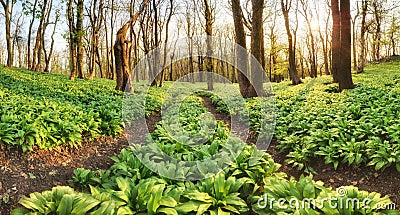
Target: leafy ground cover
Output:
[
  {"x": 46, "y": 110},
  {"x": 357, "y": 127},
  {"x": 129, "y": 187}
]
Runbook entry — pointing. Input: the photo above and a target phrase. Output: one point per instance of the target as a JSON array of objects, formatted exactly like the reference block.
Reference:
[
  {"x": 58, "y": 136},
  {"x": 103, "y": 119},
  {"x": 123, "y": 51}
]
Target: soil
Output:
[{"x": 40, "y": 170}]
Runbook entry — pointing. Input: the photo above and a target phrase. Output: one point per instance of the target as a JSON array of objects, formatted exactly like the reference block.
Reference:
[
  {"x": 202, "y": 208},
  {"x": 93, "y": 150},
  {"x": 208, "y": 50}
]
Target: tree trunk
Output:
[
  {"x": 156, "y": 59},
  {"x": 8, "y": 13},
  {"x": 79, "y": 39},
  {"x": 344, "y": 74},
  {"x": 354, "y": 39},
  {"x": 294, "y": 76},
  {"x": 361, "y": 63},
  {"x": 335, "y": 40},
  {"x": 171, "y": 10},
  {"x": 29, "y": 60},
  {"x": 209, "y": 33},
  {"x": 121, "y": 55},
  {"x": 72, "y": 47},
  {"x": 246, "y": 88},
  {"x": 257, "y": 71}
]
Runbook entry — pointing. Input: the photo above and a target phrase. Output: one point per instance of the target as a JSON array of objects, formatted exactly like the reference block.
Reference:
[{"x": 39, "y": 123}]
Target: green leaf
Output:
[
  {"x": 309, "y": 191},
  {"x": 66, "y": 205},
  {"x": 84, "y": 204},
  {"x": 168, "y": 201}
]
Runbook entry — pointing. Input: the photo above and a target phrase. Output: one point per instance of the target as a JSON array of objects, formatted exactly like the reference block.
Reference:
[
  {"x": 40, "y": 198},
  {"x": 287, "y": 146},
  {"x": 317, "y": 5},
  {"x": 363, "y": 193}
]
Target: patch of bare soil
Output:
[
  {"x": 245, "y": 134},
  {"x": 40, "y": 170}
]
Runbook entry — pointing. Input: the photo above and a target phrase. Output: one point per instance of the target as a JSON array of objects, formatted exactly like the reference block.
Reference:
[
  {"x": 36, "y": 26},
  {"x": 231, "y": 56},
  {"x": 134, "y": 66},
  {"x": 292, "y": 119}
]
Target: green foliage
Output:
[
  {"x": 129, "y": 187},
  {"x": 306, "y": 196},
  {"x": 47, "y": 111},
  {"x": 356, "y": 127}
]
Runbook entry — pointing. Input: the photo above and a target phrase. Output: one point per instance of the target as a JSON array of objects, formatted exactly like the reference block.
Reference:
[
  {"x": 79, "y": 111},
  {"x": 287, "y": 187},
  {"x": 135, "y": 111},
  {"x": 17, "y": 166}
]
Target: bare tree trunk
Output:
[
  {"x": 79, "y": 39},
  {"x": 362, "y": 59},
  {"x": 156, "y": 59},
  {"x": 344, "y": 75},
  {"x": 209, "y": 33},
  {"x": 294, "y": 76},
  {"x": 121, "y": 54},
  {"x": 96, "y": 19},
  {"x": 7, "y": 6},
  {"x": 335, "y": 40},
  {"x": 72, "y": 47},
  {"x": 313, "y": 57},
  {"x": 246, "y": 88},
  {"x": 257, "y": 72},
  {"x": 29, "y": 60},
  {"x": 354, "y": 39},
  {"x": 171, "y": 10},
  {"x": 47, "y": 56},
  {"x": 378, "y": 28}
]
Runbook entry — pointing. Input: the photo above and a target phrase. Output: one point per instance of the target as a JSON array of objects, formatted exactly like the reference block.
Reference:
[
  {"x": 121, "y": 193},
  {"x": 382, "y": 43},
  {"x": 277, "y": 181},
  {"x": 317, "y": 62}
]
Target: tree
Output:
[
  {"x": 30, "y": 8},
  {"x": 121, "y": 54},
  {"x": 324, "y": 39},
  {"x": 308, "y": 15},
  {"x": 362, "y": 60},
  {"x": 79, "y": 39},
  {"x": 344, "y": 65},
  {"x": 294, "y": 76},
  {"x": 48, "y": 54},
  {"x": 246, "y": 88},
  {"x": 76, "y": 34},
  {"x": 72, "y": 39},
  {"x": 8, "y": 6},
  {"x": 171, "y": 11},
  {"x": 257, "y": 38},
  {"x": 96, "y": 13},
  {"x": 208, "y": 14},
  {"x": 335, "y": 39}
]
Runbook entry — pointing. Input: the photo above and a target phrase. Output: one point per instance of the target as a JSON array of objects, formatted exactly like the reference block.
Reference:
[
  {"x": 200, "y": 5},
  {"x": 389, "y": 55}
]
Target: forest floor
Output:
[{"x": 37, "y": 171}]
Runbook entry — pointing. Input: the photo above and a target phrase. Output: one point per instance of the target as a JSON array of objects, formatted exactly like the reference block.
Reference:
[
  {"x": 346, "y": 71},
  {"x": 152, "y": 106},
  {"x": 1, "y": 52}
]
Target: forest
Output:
[{"x": 199, "y": 107}]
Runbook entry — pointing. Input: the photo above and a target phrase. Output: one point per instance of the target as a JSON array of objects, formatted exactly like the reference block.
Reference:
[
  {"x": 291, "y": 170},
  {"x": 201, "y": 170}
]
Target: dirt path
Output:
[
  {"x": 40, "y": 170},
  {"x": 249, "y": 137},
  {"x": 386, "y": 182}
]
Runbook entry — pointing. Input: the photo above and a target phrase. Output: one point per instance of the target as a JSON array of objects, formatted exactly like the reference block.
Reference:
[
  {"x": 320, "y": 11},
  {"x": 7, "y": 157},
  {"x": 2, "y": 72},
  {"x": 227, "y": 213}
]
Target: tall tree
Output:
[
  {"x": 344, "y": 73},
  {"x": 208, "y": 14},
  {"x": 171, "y": 11},
  {"x": 294, "y": 76},
  {"x": 8, "y": 6},
  {"x": 246, "y": 88},
  {"x": 48, "y": 53},
  {"x": 335, "y": 39},
  {"x": 257, "y": 72},
  {"x": 362, "y": 57},
  {"x": 96, "y": 13},
  {"x": 324, "y": 39},
  {"x": 72, "y": 40},
  {"x": 45, "y": 10},
  {"x": 308, "y": 16},
  {"x": 79, "y": 39},
  {"x": 30, "y": 8}
]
